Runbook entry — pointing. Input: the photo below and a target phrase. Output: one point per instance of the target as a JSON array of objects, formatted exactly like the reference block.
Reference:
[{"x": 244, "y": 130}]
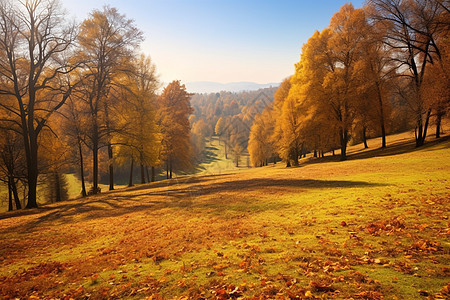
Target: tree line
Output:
[
  {"x": 81, "y": 97},
  {"x": 379, "y": 69}
]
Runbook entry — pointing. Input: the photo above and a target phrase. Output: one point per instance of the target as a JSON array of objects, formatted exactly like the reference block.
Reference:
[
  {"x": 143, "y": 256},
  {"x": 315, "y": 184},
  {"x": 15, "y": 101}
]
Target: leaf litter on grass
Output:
[{"x": 268, "y": 233}]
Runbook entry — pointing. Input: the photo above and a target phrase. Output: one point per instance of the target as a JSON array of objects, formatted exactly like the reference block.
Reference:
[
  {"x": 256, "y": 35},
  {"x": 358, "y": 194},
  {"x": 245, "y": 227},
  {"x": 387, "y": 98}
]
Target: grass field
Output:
[{"x": 373, "y": 227}]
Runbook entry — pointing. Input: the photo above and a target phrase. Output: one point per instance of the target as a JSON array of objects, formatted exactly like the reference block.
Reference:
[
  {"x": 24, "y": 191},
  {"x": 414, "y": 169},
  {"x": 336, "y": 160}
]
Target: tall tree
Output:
[
  {"x": 414, "y": 27},
  {"x": 108, "y": 41},
  {"x": 35, "y": 39},
  {"x": 139, "y": 138},
  {"x": 174, "y": 110}
]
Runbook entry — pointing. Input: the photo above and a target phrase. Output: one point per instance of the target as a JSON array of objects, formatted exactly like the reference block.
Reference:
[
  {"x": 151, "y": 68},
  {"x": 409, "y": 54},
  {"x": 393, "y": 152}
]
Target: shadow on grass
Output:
[
  {"x": 396, "y": 148},
  {"x": 401, "y": 147},
  {"x": 181, "y": 196}
]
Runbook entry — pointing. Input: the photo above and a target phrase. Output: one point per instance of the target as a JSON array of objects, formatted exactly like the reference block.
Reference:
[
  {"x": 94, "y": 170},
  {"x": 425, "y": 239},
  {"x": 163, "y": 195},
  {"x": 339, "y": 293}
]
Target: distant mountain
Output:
[{"x": 215, "y": 87}]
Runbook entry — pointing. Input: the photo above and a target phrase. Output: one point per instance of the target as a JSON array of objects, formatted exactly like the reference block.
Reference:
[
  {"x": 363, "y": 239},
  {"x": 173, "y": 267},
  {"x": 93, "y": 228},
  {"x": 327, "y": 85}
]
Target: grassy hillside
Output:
[{"x": 372, "y": 227}]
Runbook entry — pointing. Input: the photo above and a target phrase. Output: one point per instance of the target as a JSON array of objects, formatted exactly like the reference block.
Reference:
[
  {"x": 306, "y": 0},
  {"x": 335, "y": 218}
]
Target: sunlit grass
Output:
[{"x": 361, "y": 228}]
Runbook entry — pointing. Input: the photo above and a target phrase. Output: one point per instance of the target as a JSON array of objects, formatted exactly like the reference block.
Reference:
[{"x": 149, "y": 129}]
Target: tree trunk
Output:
[
  {"x": 421, "y": 129},
  {"x": 130, "y": 181},
  {"x": 225, "y": 144},
  {"x": 95, "y": 163},
  {"x": 32, "y": 176},
  {"x": 153, "y": 174},
  {"x": 142, "y": 174},
  {"x": 382, "y": 126},
  {"x": 315, "y": 153},
  {"x": 10, "y": 202},
  {"x": 288, "y": 163},
  {"x": 170, "y": 169},
  {"x": 364, "y": 137},
  {"x": 15, "y": 194},
  {"x": 83, "y": 184},
  {"x": 343, "y": 137},
  {"x": 438, "y": 125},
  {"x": 57, "y": 187},
  {"x": 111, "y": 167},
  {"x": 148, "y": 173}
]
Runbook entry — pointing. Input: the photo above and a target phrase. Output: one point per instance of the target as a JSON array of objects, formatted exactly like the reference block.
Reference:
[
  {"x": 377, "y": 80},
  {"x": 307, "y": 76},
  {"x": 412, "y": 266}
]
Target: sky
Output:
[{"x": 221, "y": 40}]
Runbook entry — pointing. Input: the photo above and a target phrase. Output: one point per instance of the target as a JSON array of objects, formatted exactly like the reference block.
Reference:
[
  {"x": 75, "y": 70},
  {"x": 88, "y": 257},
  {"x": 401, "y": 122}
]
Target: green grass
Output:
[{"x": 373, "y": 226}]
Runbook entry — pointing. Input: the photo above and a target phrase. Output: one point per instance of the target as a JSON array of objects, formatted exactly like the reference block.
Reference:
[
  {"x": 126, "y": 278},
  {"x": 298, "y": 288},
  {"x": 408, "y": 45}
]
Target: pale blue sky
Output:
[{"x": 223, "y": 41}]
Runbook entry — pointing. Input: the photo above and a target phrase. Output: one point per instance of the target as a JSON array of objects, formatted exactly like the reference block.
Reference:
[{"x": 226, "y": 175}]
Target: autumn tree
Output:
[
  {"x": 413, "y": 31},
  {"x": 12, "y": 165},
  {"x": 173, "y": 112},
  {"x": 108, "y": 41},
  {"x": 260, "y": 146},
  {"x": 139, "y": 139},
  {"x": 35, "y": 40}
]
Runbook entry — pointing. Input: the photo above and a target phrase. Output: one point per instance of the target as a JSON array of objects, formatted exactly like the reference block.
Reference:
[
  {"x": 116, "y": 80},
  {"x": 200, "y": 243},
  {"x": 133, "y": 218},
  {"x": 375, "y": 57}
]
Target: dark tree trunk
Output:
[
  {"x": 421, "y": 129},
  {"x": 95, "y": 162},
  {"x": 130, "y": 181},
  {"x": 315, "y": 153},
  {"x": 170, "y": 169},
  {"x": 142, "y": 174},
  {"x": 153, "y": 174},
  {"x": 382, "y": 126},
  {"x": 344, "y": 138},
  {"x": 10, "y": 202},
  {"x": 83, "y": 184},
  {"x": 334, "y": 154},
  {"x": 364, "y": 137},
  {"x": 288, "y": 163},
  {"x": 57, "y": 187},
  {"x": 225, "y": 143},
  {"x": 16, "y": 194},
  {"x": 438, "y": 125},
  {"x": 111, "y": 168}
]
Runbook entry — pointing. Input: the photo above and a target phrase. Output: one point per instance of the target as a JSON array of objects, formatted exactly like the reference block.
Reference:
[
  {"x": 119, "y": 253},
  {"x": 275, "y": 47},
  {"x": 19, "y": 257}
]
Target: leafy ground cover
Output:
[{"x": 373, "y": 227}]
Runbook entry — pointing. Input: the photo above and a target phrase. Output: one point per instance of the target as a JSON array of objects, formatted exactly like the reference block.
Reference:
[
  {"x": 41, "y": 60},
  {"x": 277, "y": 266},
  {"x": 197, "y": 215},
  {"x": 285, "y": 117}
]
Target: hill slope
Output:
[{"x": 365, "y": 228}]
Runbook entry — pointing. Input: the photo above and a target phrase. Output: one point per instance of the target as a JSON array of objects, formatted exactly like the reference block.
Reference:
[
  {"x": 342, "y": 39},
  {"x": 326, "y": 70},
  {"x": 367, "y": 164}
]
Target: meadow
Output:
[{"x": 373, "y": 227}]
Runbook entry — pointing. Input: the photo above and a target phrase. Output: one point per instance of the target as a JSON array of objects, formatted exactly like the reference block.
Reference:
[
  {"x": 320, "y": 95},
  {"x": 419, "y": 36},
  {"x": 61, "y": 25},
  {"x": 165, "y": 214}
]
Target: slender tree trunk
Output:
[
  {"x": 225, "y": 143},
  {"x": 83, "y": 184},
  {"x": 95, "y": 161},
  {"x": 130, "y": 181},
  {"x": 364, "y": 137},
  {"x": 111, "y": 167},
  {"x": 425, "y": 127},
  {"x": 343, "y": 137},
  {"x": 10, "y": 202},
  {"x": 170, "y": 168},
  {"x": 148, "y": 173},
  {"x": 315, "y": 153},
  {"x": 334, "y": 154},
  {"x": 32, "y": 178},
  {"x": 382, "y": 126},
  {"x": 153, "y": 174},
  {"x": 57, "y": 187},
  {"x": 142, "y": 174},
  {"x": 15, "y": 194},
  {"x": 421, "y": 129},
  {"x": 438, "y": 125}
]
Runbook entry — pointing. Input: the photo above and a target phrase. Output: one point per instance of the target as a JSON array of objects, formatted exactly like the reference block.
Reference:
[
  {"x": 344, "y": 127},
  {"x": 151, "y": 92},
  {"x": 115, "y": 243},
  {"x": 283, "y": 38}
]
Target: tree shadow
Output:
[
  {"x": 182, "y": 195},
  {"x": 392, "y": 149}
]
